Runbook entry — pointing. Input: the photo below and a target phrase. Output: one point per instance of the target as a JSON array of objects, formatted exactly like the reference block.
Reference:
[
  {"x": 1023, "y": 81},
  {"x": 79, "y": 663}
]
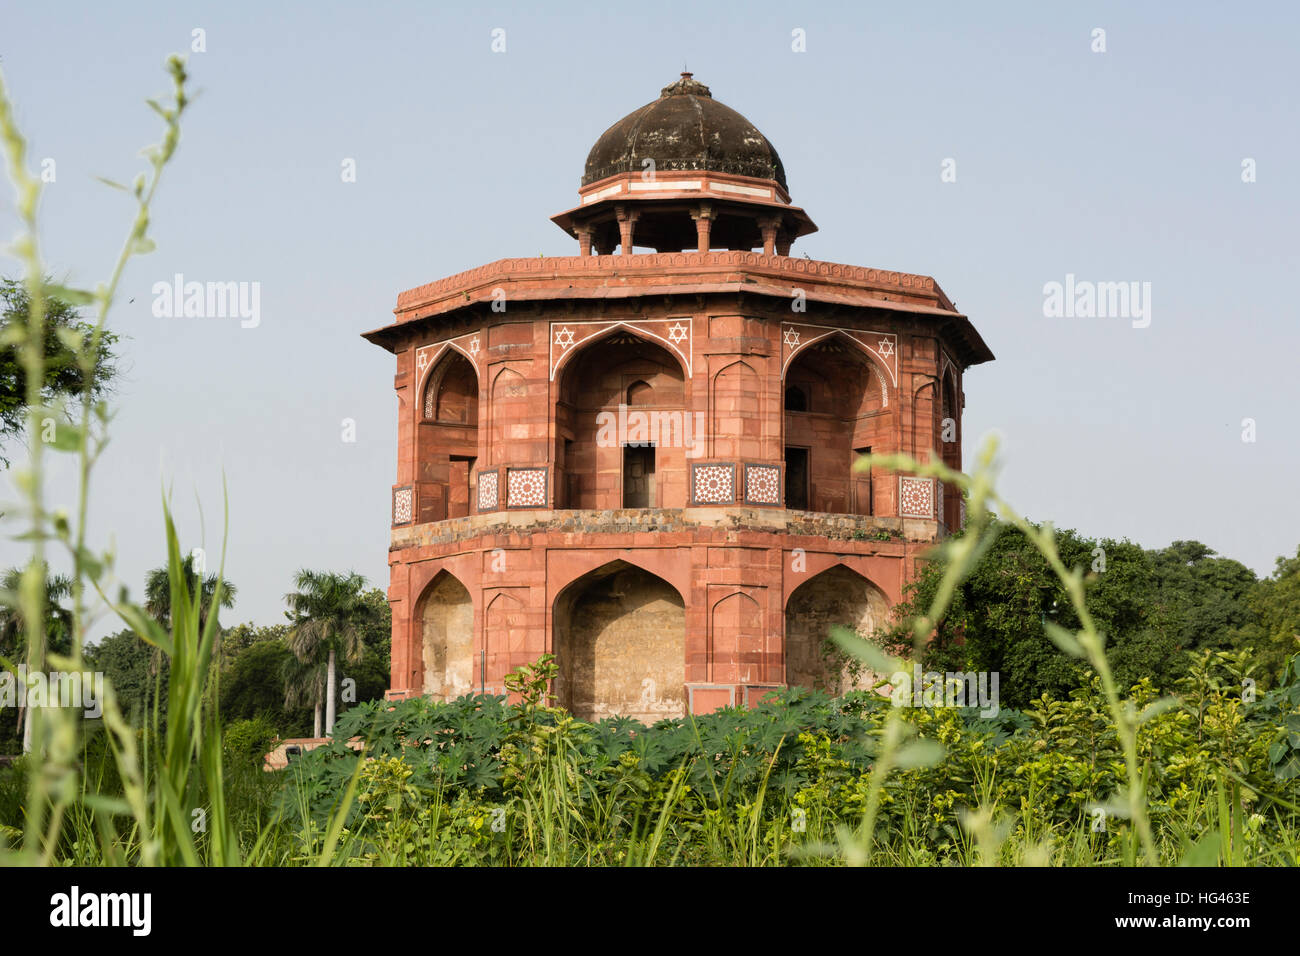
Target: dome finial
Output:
[{"x": 686, "y": 86}]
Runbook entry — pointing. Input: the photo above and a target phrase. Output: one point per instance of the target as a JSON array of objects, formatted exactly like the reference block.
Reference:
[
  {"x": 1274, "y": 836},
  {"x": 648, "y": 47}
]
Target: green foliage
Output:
[
  {"x": 157, "y": 591},
  {"x": 63, "y": 372},
  {"x": 774, "y": 784},
  {"x": 135, "y": 671},
  {"x": 1274, "y": 628},
  {"x": 1150, "y": 605},
  {"x": 246, "y": 742},
  {"x": 332, "y": 615},
  {"x": 252, "y": 688},
  {"x": 1207, "y": 777}
]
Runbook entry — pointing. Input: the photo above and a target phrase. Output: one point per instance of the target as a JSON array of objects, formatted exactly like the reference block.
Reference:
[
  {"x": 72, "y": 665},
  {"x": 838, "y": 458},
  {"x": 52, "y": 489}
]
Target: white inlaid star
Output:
[
  {"x": 421, "y": 359},
  {"x": 886, "y": 347},
  {"x": 473, "y": 346},
  {"x": 564, "y": 337},
  {"x": 677, "y": 333},
  {"x": 791, "y": 337}
]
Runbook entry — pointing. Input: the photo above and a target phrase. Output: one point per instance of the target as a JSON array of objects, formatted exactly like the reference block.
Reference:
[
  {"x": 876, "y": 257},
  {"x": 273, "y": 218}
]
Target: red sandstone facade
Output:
[{"x": 644, "y": 462}]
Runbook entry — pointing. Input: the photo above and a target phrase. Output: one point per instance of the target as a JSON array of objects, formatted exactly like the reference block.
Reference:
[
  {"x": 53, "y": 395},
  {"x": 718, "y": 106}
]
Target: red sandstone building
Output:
[{"x": 640, "y": 458}]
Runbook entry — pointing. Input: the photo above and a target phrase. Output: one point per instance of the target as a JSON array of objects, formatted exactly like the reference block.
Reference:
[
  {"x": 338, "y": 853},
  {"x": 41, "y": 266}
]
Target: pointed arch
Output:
[
  {"x": 506, "y": 632},
  {"x": 509, "y": 405},
  {"x": 619, "y": 636},
  {"x": 880, "y": 366},
  {"x": 451, "y": 390},
  {"x": 736, "y": 636},
  {"x": 447, "y": 435},
  {"x": 683, "y": 359},
  {"x": 425, "y": 364},
  {"x": 844, "y": 415},
  {"x": 640, "y": 392},
  {"x": 835, "y": 597},
  {"x": 445, "y": 617},
  {"x": 736, "y": 404},
  {"x": 610, "y": 457}
]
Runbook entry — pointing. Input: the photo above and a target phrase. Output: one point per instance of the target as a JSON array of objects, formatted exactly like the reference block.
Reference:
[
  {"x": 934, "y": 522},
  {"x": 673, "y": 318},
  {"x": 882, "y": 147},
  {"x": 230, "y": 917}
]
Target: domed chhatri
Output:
[
  {"x": 684, "y": 172},
  {"x": 685, "y": 129},
  {"x": 650, "y": 464}
]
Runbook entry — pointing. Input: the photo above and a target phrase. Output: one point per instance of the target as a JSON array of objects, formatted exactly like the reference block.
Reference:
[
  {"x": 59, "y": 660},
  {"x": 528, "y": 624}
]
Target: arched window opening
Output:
[
  {"x": 835, "y": 412},
  {"x": 447, "y": 439},
  {"x": 611, "y": 456},
  {"x": 640, "y": 393}
]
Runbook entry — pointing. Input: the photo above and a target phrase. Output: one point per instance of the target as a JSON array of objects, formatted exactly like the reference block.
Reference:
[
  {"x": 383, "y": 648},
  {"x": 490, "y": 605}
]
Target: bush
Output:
[{"x": 248, "y": 741}]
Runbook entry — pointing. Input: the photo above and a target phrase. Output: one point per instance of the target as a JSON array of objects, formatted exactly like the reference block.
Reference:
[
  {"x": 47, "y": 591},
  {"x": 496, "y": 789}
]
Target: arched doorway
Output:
[
  {"x": 836, "y": 596},
  {"x": 447, "y": 638},
  {"x": 448, "y": 438},
  {"x": 835, "y": 410},
  {"x": 620, "y": 643},
  {"x": 621, "y": 427}
]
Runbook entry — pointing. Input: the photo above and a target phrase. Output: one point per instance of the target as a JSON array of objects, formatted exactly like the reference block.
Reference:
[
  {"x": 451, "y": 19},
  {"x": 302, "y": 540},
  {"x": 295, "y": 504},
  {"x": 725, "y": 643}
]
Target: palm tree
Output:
[
  {"x": 158, "y": 594},
  {"x": 328, "y": 613},
  {"x": 304, "y": 684},
  {"x": 14, "y": 634}
]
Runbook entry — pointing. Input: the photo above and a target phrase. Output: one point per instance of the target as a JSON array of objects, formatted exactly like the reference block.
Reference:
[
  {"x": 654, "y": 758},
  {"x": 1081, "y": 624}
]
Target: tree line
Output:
[
  {"x": 1158, "y": 608},
  {"x": 289, "y": 678}
]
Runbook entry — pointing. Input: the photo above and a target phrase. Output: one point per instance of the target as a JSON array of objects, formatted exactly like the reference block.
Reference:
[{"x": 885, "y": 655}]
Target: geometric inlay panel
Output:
[
  {"x": 915, "y": 497},
  {"x": 713, "y": 484},
  {"x": 487, "y": 491},
  {"x": 403, "y": 505},
  {"x": 525, "y": 487},
  {"x": 762, "y": 485}
]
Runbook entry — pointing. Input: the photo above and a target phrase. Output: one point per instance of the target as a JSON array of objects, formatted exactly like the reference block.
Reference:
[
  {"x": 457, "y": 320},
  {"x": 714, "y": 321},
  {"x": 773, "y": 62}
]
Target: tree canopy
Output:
[
  {"x": 1152, "y": 605},
  {"x": 63, "y": 374}
]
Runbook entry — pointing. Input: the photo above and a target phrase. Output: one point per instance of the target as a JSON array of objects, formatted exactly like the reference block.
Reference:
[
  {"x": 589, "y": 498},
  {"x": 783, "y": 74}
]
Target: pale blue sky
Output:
[{"x": 1123, "y": 165}]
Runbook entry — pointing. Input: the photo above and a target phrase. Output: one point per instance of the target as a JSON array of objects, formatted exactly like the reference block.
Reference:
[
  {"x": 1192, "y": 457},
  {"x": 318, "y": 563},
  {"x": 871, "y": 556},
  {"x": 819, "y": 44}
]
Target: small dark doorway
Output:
[
  {"x": 638, "y": 476},
  {"x": 861, "y": 484},
  {"x": 796, "y": 478}
]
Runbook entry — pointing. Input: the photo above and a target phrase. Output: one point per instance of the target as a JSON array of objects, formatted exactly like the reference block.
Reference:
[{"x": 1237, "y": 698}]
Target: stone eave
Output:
[{"x": 680, "y": 273}]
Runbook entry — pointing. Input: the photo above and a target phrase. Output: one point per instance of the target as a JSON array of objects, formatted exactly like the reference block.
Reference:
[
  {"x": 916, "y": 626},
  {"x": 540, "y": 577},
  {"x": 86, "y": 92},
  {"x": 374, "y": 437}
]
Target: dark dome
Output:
[{"x": 686, "y": 128}]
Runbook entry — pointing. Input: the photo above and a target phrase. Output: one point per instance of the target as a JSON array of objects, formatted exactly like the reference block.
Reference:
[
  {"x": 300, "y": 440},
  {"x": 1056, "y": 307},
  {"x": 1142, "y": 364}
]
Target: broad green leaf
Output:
[
  {"x": 70, "y": 295},
  {"x": 1157, "y": 707},
  {"x": 919, "y": 753},
  {"x": 1205, "y": 852},
  {"x": 867, "y": 651},
  {"x": 1064, "y": 639}
]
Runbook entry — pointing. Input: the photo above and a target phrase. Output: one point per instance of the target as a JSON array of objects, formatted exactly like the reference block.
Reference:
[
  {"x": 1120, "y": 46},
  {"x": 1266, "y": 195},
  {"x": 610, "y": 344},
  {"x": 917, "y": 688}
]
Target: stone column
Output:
[
  {"x": 584, "y": 240},
  {"x": 703, "y": 217},
  {"x": 770, "y": 226},
  {"x": 626, "y": 219}
]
